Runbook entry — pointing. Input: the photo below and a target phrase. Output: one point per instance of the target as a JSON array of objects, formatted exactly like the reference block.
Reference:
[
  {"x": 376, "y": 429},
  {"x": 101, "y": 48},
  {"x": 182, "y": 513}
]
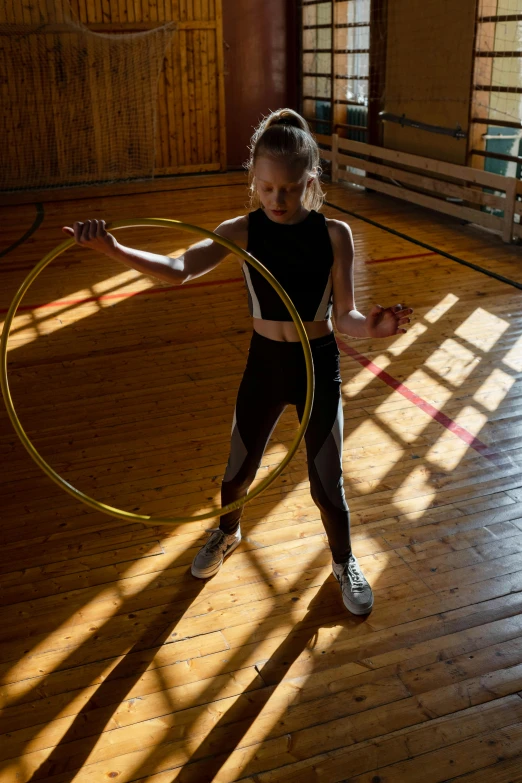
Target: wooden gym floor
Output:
[{"x": 115, "y": 663}]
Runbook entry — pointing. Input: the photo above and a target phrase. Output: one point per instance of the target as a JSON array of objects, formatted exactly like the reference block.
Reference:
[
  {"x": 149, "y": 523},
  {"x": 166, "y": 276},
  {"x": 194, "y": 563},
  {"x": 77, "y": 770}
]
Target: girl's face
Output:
[{"x": 281, "y": 186}]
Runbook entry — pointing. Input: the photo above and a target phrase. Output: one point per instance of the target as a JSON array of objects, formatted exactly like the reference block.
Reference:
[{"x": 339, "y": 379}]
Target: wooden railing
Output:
[{"x": 459, "y": 191}]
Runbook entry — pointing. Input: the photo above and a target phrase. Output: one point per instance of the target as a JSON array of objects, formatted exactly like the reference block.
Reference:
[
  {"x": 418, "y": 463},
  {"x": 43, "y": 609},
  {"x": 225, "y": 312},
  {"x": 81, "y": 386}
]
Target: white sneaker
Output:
[
  {"x": 357, "y": 593},
  {"x": 210, "y": 557}
]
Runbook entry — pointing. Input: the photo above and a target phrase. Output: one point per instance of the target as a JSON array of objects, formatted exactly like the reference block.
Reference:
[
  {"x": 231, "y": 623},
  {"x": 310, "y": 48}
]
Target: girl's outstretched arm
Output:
[
  {"x": 196, "y": 261},
  {"x": 380, "y": 321}
]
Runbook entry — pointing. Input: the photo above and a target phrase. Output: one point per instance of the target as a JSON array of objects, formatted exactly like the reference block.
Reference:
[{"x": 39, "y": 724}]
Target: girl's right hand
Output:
[{"x": 92, "y": 234}]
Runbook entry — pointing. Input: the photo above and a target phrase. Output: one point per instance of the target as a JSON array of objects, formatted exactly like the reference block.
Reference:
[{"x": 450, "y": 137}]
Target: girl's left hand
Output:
[{"x": 387, "y": 321}]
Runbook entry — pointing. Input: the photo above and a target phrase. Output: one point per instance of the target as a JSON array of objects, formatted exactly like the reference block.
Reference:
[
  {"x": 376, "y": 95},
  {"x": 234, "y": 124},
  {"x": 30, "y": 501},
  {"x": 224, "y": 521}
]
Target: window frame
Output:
[{"x": 372, "y": 129}]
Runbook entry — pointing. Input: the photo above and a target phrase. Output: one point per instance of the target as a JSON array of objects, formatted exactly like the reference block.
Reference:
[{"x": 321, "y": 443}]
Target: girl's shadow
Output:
[
  {"x": 324, "y": 611},
  {"x": 92, "y": 719}
]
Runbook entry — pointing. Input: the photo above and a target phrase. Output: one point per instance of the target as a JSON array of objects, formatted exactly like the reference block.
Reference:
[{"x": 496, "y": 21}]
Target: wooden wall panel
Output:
[
  {"x": 54, "y": 139},
  {"x": 428, "y": 74}
]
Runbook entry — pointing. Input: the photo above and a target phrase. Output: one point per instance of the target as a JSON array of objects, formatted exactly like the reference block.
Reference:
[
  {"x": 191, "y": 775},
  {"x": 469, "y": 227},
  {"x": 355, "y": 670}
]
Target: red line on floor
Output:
[
  {"x": 441, "y": 418},
  {"x": 104, "y": 297},
  {"x": 164, "y": 289},
  {"x": 398, "y": 258},
  {"x": 435, "y": 414}
]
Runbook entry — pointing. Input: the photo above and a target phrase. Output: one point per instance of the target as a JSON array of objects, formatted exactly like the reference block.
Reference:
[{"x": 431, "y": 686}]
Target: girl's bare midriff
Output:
[{"x": 285, "y": 331}]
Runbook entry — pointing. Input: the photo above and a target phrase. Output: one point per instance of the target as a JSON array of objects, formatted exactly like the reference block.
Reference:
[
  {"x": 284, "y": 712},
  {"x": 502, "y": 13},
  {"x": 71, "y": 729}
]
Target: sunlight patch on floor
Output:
[
  {"x": 482, "y": 329},
  {"x": 406, "y": 340},
  {"x": 83, "y": 624},
  {"x": 513, "y": 358},
  {"x": 419, "y": 381},
  {"x": 452, "y": 361},
  {"x": 442, "y": 457},
  {"x": 60, "y": 313},
  {"x": 494, "y": 389},
  {"x": 364, "y": 377},
  {"x": 24, "y": 336},
  {"x": 441, "y": 308},
  {"x": 368, "y": 432},
  {"x": 418, "y": 484},
  {"x": 471, "y": 418}
]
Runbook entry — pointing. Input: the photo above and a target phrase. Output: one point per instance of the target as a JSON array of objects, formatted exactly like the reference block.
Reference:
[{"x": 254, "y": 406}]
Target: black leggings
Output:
[{"x": 274, "y": 377}]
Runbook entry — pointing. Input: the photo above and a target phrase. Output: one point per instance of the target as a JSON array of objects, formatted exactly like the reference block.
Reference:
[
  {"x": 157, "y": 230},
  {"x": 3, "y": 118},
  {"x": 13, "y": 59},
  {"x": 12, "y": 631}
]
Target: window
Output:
[
  {"x": 495, "y": 138},
  {"x": 336, "y": 66}
]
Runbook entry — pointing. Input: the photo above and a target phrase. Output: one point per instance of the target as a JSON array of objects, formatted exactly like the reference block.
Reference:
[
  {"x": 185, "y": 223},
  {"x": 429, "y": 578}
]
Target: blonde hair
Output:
[{"x": 285, "y": 134}]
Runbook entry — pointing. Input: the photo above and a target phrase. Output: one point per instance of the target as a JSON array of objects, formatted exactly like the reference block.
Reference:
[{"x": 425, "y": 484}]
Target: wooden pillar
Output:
[
  {"x": 378, "y": 37},
  {"x": 260, "y": 66}
]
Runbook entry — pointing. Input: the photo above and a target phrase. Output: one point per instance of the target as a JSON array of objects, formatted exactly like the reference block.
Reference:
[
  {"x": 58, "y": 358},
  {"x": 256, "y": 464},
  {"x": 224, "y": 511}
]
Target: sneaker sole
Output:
[
  {"x": 208, "y": 572},
  {"x": 354, "y": 608}
]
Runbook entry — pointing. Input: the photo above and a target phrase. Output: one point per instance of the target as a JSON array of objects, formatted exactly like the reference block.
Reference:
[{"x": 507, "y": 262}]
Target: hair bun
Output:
[
  {"x": 285, "y": 120},
  {"x": 287, "y": 117}
]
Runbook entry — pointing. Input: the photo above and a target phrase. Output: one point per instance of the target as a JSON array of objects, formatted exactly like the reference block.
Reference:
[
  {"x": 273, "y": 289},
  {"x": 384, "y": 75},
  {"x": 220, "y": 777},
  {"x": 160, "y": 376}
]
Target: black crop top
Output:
[{"x": 300, "y": 257}]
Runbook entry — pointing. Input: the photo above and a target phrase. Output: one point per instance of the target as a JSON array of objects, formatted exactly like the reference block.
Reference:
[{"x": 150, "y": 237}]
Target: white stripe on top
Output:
[
  {"x": 322, "y": 310},
  {"x": 255, "y": 301}
]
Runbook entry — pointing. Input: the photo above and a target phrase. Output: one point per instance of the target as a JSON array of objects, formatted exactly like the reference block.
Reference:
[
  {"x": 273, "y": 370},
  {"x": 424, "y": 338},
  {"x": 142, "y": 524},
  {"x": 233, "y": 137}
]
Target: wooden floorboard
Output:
[{"x": 116, "y": 664}]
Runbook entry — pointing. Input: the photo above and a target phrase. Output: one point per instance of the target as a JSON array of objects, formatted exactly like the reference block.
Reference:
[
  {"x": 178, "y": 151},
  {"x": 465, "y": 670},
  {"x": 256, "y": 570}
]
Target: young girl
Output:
[{"x": 312, "y": 257}]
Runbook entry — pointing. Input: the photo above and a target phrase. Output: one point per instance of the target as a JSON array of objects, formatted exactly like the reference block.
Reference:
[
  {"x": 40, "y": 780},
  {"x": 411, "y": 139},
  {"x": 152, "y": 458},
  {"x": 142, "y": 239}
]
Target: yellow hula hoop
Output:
[{"x": 116, "y": 512}]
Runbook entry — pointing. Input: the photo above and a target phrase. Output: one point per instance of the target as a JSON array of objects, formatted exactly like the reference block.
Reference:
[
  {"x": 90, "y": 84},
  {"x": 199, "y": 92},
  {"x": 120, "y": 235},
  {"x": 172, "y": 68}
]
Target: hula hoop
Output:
[{"x": 111, "y": 510}]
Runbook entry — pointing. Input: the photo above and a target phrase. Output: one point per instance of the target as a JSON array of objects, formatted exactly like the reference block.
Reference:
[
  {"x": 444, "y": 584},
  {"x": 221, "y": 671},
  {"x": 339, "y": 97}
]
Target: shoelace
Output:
[
  {"x": 355, "y": 576},
  {"x": 215, "y": 542}
]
